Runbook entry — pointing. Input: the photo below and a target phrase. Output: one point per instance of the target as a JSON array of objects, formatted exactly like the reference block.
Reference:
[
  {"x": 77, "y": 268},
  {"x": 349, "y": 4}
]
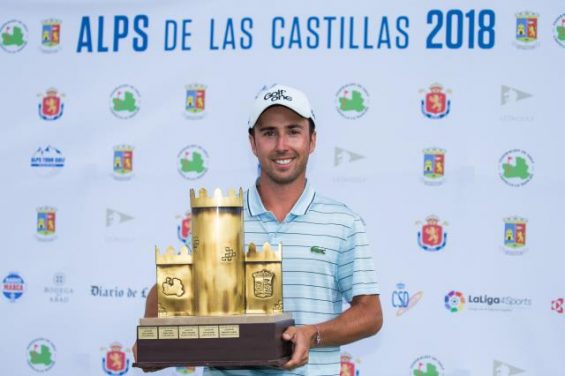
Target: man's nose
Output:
[{"x": 282, "y": 143}]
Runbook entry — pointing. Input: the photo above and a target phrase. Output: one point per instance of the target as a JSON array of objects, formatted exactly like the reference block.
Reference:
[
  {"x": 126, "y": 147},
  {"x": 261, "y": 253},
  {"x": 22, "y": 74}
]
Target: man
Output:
[{"x": 326, "y": 256}]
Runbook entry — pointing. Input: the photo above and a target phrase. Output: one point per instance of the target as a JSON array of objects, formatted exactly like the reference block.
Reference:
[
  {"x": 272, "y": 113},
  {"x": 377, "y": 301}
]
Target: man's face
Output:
[{"x": 282, "y": 143}]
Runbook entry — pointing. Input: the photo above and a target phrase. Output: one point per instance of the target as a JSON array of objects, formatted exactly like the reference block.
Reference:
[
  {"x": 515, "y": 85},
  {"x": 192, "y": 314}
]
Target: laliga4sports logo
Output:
[
  {"x": 432, "y": 236},
  {"x": 455, "y": 301}
]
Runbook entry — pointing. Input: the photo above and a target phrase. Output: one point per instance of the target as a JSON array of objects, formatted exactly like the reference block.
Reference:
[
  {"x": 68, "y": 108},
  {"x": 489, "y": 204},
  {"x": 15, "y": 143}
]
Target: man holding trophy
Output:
[{"x": 326, "y": 256}]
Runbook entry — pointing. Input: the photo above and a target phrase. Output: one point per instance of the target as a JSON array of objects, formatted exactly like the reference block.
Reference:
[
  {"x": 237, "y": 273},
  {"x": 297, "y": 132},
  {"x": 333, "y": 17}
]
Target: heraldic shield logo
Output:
[
  {"x": 50, "y": 35},
  {"x": 263, "y": 284},
  {"x": 526, "y": 30},
  {"x": 348, "y": 366},
  {"x": 195, "y": 101},
  {"x": 184, "y": 229},
  {"x": 46, "y": 223},
  {"x": 515, "y": 235},
  {"x": 434, "y": 166},
  {"x": 41, "y": 355},
  {"x": 13, "y": 36},
  {"x": 123, "y": 162},
  {"x": 436, "y": 103},
  {"x": 432, "y": 236},
  {"x": 51, "y": 105},
  {"x": 116, "y": 361}
]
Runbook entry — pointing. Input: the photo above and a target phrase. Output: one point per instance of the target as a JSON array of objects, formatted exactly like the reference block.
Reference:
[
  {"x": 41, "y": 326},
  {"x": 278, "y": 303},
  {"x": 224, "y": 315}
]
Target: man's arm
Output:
[{"x": 362, "y": 319}]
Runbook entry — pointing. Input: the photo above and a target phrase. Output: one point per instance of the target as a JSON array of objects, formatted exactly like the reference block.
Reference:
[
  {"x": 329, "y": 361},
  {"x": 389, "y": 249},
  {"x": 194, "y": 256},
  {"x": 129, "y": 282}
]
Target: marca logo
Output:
[
  {"x": 124, "y": 101},
  {"x": 559, "y": 30},
  {"x": 454, "y": 301},
  {"x": 352, "y": 101},
  {"x": 432, "y": 235},
  {"x": 46, "y": 223},
  {"x": 434, "y": 166},
  {"x": 116, "y": 361},
  {"x": 557, "y": 305},
  {"x": 59, "y": 292},
  {"x": 349, "y": 366},
  {"x": 345, "y": 156},
  {"x": 114, "y": 217},
  {"x": 123, "y": 162},
  {"x": 13, "y": 287},
  {"x": 184, "y": 229},
  {"x": 436, "y": 103},
  {"x": 516, "y": 168},
  {"x": 41, "y": 354},
  {"x": 504, "y": 369},
  {"x": 195, "y": 101},
  {"x": 51, "y": 105},
  {"x": 526, "y": 32},
  {"x": 510, "y": 95},
  {"x": 515, "y": 235},
  {"x": 13, "y": 36},
  {"x": 50, "y": 35},
  {"x": 427, "y": 365},
  {"x": 192, "y": 162},
  {"x": 48, "y": 161},
  {"x": 402, "y": 300}
]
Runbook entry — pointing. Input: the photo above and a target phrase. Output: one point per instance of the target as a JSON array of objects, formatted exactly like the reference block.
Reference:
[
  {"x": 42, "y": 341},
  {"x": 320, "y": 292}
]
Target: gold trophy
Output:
[{"x": 217, "y": 306}]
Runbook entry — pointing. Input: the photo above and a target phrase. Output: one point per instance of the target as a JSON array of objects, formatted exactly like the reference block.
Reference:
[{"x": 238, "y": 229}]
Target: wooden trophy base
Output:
[{"x": 222, "y": 341}]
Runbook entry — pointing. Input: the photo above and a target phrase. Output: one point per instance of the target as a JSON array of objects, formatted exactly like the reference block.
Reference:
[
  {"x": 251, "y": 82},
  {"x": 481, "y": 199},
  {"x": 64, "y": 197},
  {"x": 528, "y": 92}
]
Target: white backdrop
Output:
[{"x": 72, "y": 291}]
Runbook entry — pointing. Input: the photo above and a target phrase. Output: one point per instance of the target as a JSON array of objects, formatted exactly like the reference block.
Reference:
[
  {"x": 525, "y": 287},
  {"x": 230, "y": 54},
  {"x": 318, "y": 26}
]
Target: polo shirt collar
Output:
[{"x": 256, "y": 206}]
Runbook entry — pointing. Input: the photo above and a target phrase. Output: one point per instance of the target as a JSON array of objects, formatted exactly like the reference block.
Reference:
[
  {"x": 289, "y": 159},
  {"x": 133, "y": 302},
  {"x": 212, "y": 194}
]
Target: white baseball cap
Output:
[{"x": 281, "y": 95}]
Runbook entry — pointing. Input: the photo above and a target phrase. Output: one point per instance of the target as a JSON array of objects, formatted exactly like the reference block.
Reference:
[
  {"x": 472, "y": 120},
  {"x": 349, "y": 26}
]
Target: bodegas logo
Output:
[
  {"x": 41, "y": 354},
  {"x": 124, "y": 101},
  {"x": 13, "y": 36},
  {"x": 59, "y": 292},
  {"x": 456, "y": 301},
  {"x": 352, "y": 101}
]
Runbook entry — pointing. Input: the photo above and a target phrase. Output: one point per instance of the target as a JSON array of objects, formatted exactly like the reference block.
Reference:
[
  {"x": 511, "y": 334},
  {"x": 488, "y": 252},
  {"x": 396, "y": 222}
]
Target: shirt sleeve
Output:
[{"x": 356, "y": 270}]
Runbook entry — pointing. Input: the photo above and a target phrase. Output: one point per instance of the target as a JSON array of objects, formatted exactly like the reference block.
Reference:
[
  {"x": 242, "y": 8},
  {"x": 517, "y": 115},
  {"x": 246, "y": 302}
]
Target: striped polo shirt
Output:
[{"x": 326, "y": 259}]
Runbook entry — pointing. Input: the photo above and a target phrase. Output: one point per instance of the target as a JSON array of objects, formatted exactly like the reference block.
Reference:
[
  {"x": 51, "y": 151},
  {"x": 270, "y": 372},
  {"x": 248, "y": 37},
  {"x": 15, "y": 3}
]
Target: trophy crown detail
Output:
[
  {"x": 172, "y": 257},
  {"x": 267, "y": 255},
  {"x": 217, "y": 199}
]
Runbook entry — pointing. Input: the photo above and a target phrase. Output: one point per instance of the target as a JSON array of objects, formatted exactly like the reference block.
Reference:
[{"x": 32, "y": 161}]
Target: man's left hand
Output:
[{"x": 302, "y": 339}]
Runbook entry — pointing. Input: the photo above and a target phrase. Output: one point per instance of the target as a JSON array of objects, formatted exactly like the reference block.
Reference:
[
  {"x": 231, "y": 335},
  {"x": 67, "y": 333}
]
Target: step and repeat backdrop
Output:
[{"x": 439, "y": 122}]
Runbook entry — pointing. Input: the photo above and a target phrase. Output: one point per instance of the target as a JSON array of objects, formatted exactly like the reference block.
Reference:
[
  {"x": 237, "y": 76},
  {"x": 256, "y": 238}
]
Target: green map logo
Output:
[
  {"x": 192, "y": 162},
  {"x": 352, "y": 101},
  {"x": 426, "y": 366},
  {"x": 13, "y": 36},
  {"x": 559, "y": 30},
  {"x": 516, "y": 168},
  {"x": 125, "y": 101},
  {"x": 41, "y": 355}
]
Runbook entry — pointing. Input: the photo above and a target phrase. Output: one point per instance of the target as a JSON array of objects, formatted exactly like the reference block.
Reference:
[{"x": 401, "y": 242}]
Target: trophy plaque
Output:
[{"x": 217, "y": 305}]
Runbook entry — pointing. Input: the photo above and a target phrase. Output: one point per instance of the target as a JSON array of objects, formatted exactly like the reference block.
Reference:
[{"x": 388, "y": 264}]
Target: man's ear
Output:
[
  {"x": 252, "y": 143},
  {"x": 313, "y": 138}
]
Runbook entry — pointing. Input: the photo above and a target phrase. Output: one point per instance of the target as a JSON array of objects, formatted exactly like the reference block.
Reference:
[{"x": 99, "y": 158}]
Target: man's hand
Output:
[{"x": 302, "y": 339}]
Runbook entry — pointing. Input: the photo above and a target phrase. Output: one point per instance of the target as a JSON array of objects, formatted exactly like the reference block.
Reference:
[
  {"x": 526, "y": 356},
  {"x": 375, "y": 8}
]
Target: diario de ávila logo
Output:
[
  {"x": 125, "y": 101},
  {"x": 50, "y": 35},
  {"x": 526, "y": 30},
  {"x": 434, "y": 166},
  {"x": 515, "y": 235},
  {"x": 46, "y": 225},
  {"x": 559, "y": 30},
  {"x": 123, "y": 162},
  {"x": 403, "y": 300},
  {"x": 436, "y": 103},
  {"x": 195, "y": 101},
  {"x": 51, "y": 104},
  {"x": 41, "y": 354},
  {"x": 59, "y": 292},
  {"x": 427, "y": 365},
  {"x": 13, "y": 287},
  {"x": 432, "y": 235},
  {"x": 192, "y": 162},
  {"x": 454, "y": 301},
  {"x": 349, "y": 366},
  {"x": 516, "y": 168},
  {"x": 99, "y": 291},
  {"x": 352, "y": 101},
  {"x": 13, "y": 36},
  {"x": 116, "y": 359},
  {"x": 48, "y": 161}
]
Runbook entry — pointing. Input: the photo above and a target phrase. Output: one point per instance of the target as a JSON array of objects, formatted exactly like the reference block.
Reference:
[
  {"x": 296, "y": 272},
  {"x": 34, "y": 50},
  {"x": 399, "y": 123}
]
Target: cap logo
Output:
[{"x": 277, "y": 96}]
